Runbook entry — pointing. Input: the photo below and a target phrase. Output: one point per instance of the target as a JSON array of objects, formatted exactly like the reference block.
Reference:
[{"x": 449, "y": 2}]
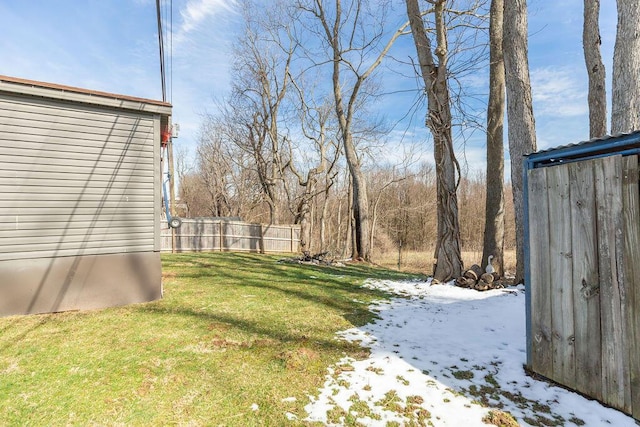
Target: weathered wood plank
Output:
[
  {"x": 631, "y": 256},
  {"x": 616, "y": 389},
  {"x": 560, "y": 257},
  {"x": 585, "y": 281},
  {"x": 541, "y": 349}
]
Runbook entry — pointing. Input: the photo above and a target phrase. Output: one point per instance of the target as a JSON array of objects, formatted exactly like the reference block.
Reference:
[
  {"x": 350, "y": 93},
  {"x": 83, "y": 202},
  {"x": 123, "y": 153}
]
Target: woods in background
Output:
[
  {"x": 298, "y": 139},
  {"x": 295, "y": 141},
  {"x": 402, "y": 205}
]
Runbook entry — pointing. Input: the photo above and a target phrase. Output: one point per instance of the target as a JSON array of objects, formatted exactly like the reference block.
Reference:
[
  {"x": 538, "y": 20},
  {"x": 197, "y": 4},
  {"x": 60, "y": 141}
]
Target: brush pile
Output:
[{"x": 315, "y": 259}]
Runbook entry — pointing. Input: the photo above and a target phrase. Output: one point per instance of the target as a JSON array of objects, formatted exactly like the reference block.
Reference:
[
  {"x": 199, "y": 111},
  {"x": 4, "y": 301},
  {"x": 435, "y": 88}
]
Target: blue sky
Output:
[{"x": 112, "y": 46}]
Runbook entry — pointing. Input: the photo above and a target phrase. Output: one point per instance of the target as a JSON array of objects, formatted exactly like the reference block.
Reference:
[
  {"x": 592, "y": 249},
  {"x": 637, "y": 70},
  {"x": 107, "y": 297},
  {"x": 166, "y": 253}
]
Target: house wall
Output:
[
  {"x": 79, "y": 199},
  {"x": 45, "y": 285}
]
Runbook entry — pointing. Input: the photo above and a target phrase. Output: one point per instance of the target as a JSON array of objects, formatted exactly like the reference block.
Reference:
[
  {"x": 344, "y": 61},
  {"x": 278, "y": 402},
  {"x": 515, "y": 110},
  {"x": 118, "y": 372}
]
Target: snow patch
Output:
[{"x": 448, "y": 355}]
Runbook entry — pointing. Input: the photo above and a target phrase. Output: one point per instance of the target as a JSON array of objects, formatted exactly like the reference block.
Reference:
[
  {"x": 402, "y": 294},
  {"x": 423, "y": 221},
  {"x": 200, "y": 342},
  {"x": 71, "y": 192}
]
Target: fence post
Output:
[{"x": 221, "y": 237}]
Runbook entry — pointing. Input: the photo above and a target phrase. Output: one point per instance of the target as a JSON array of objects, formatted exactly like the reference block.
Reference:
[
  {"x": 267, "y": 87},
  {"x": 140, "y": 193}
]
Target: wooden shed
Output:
[
  {"x": 582, "y": 270},
  {"x": 80, "y": 198}
]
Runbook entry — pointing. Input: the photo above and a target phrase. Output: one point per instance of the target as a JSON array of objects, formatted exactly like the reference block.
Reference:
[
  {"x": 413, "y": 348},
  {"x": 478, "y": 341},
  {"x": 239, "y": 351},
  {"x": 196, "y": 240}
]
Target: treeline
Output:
[
  {"x": 224, "y": 183},
  {"x": 297, "y": 138}
]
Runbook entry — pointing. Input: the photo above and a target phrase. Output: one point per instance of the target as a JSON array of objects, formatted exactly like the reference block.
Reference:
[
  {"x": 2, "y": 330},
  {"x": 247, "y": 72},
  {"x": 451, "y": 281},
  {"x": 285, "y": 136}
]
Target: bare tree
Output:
[
  {"x": 216, "y": 168},
  {"x": 221, "y": 182},
  {"x": 405, "y": 214},
  {"x": 448, "y": 262},
  {"x": 625, "y": 102},
  {"x": 183, "y": 171},
  {"x": 472, "y": 194},
  {"x": 355, "y": 50},
  {"x": 595, "y": 69},
  {"x": 521, "y": 123},
  {"x": 388, "y": 180},
  {"x": 261, "y": 70},
  {"x": 494, "y": 207},
  {"x": 329, "y": 182},
  {"x": 314, "y": 123},
  {"x": 250, "y": 161}
]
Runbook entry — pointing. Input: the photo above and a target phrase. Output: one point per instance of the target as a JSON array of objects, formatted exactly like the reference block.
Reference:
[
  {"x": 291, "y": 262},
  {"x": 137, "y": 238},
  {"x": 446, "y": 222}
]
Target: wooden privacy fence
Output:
[
  {"x": 203, "y": 235},
  {"x": 584, "y": 271}
]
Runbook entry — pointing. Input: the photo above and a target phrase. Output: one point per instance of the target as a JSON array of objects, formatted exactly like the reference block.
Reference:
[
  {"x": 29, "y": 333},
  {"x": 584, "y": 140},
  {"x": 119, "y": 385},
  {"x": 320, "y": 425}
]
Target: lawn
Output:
[{"x": 238, "y": 339}]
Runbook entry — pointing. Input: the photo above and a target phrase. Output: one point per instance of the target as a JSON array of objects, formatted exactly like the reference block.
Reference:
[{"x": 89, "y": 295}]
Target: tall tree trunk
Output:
[
  {"x": 344, "y": 113},
  {"x": 361, "y": 248},
  {"x": 273, "y": 211},
  {"x": 302, "y": 218},
  {"x": 348, "y": 240},
  {"x": 312, "y": 224},
  {"x": 447, "y": 252},
  {"x": 347, "y": 35},
  {"x": 521, "y": 124},
  {"x": 595, "y": 69},
  {"x": 328, "y": 183},
  {"x": 625, "y": 104},
  {"x": 323, "y": 226},
  {"x": 494, "y": 207}
]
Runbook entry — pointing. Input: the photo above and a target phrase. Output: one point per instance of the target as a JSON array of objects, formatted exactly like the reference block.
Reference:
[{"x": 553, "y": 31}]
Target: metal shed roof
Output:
[
  {"x": 74, "y": 94},
  {"x": 626, "y": 143}
]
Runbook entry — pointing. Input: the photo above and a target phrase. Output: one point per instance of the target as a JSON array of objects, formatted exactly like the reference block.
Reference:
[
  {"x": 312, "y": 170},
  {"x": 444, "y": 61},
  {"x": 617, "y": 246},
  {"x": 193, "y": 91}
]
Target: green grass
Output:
[{"x": 232, "y": 330}]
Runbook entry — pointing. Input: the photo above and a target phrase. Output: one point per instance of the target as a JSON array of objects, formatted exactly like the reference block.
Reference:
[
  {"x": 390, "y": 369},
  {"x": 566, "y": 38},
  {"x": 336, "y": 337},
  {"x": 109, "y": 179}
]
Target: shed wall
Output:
[{"x": 584, "y": 232}]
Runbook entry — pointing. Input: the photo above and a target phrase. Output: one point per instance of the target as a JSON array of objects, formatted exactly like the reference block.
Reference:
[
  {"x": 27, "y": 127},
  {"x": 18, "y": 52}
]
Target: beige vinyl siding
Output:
[{"x": 75, "y": 179}]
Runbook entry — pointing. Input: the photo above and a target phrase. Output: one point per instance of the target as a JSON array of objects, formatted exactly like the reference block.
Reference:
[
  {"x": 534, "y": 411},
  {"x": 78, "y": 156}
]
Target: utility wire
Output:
[
  {"x": 171, "y": 50},
  {"x": 161, "y": 45}
]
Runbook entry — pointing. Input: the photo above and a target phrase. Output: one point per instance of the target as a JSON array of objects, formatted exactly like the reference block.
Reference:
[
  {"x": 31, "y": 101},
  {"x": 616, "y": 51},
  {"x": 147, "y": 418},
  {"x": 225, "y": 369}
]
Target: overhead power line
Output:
[{"x": 161, "y": 46}]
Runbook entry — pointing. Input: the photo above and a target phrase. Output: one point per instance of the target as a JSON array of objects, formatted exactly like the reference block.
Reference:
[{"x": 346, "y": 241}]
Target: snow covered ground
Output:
[{"x": 437, "y": 353}]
